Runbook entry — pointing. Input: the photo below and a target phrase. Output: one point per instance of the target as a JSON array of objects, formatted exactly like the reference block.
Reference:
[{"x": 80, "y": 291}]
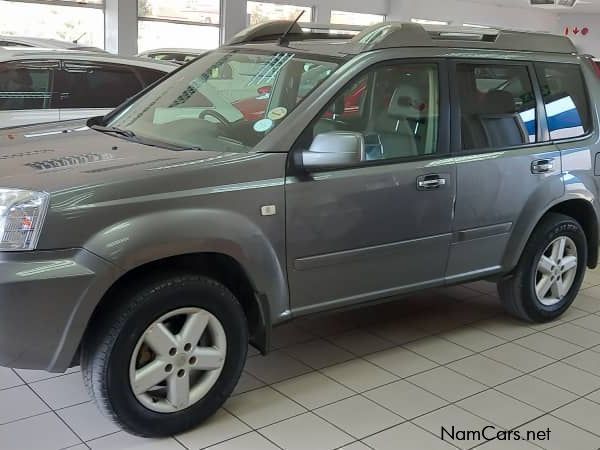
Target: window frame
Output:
[
  {"x": 542, "y": 134},
  {"x": 588, "y": 98},
  {"x": 73, "y": 3},
  {"x": 444, "y": 120}
]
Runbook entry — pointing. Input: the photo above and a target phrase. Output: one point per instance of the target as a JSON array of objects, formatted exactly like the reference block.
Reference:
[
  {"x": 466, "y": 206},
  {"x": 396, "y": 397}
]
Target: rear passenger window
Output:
[
  {"x": 395, "y": 108},
  {"x": 497, "y": 106},
  {"x": 89, "y": 85},
  {"x": 565, "y": 98},
  {"x": 26, "y": 86}
]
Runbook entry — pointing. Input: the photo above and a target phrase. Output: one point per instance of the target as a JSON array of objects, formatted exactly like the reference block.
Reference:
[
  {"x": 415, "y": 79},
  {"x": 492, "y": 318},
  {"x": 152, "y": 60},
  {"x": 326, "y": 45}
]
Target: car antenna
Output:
[
  {"x": 283, "y": 40},
  {"x": 76, "y": 41}
]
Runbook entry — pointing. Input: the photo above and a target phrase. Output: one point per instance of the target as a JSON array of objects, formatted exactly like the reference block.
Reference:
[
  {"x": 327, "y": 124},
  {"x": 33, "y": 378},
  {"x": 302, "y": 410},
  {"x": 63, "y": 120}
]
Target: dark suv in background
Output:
[{"x": 154, "y": 243}]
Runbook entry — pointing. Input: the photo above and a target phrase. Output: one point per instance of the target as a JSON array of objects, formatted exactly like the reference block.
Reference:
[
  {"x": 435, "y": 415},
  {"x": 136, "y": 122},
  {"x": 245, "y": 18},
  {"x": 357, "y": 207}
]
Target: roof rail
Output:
[
  {"x": 396, "y": 34},
  {"x": 273, "y": 30}
]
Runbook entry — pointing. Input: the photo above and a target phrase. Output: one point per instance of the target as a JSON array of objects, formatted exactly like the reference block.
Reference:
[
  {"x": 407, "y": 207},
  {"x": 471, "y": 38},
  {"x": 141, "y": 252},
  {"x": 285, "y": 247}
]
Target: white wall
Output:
[
  {"x": 463, "y": 11},
  {"x": 585, "y": 44}
]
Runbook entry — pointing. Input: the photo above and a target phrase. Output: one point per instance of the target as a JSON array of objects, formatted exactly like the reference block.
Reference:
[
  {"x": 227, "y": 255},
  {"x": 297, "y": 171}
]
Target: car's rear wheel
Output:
[
  {"x": 550, "y": 271},
  {"x": 168, "y": 356}
]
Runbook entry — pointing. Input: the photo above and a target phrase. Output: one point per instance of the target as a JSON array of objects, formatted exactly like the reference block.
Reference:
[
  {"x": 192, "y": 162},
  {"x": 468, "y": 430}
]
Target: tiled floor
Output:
[{"x": 385, "y": 377}]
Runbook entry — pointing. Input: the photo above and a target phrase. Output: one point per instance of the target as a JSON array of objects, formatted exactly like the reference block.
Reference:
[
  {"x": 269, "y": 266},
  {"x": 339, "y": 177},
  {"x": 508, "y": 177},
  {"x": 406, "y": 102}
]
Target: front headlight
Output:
[{"x": 22, "y": 215}]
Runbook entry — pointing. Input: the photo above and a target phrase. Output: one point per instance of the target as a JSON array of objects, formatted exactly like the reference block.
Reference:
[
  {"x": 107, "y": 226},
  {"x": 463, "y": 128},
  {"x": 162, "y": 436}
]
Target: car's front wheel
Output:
[
  {"x": 550, "y": 271},
  {"x": 168, "y": 356}
]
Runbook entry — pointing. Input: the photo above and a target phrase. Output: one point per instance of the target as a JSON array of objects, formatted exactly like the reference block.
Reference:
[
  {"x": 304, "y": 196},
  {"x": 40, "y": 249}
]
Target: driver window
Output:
[{"x": 395, "y": 108}]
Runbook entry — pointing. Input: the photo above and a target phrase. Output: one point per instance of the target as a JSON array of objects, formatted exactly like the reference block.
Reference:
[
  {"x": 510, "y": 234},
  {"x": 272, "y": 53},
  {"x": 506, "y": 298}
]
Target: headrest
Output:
[
  {"x": 407, "y": 102},
  {"x": 499, "y": 102}
]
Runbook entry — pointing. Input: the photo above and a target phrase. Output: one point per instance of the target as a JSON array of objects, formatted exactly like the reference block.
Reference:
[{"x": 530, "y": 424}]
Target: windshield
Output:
[{"x": 227, "y": 100}]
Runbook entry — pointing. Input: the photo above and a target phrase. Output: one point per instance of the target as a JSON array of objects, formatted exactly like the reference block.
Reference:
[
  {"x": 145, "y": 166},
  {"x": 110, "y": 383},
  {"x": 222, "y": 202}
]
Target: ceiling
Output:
[{"x": 581, "y": 7}]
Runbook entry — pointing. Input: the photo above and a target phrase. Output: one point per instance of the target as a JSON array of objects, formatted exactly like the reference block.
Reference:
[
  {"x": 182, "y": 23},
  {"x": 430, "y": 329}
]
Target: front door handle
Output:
[
  {"x": 429, "y": 182},
  {"x": 542, "y": 166}
]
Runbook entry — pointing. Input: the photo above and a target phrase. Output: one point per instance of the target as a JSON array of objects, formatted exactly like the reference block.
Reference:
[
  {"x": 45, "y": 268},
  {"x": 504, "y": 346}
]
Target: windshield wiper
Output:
[{"x": 120, "y": 131}]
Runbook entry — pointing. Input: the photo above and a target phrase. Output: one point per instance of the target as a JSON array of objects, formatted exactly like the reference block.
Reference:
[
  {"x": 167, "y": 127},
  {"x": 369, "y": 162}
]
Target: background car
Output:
[
  {"x": 23, "y": 41},
  {"x": 178, "y": 55},
  {"x": 49, "y": 85}
]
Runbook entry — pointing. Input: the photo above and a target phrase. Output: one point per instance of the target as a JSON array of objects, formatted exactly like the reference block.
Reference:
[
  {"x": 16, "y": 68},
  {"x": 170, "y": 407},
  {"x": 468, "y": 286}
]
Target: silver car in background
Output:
[{"x": 47, "y": 85}]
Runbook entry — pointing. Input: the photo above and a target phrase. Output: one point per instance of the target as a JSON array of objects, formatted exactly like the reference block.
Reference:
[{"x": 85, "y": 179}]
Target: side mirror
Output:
[{"x": 333, "y": 150}]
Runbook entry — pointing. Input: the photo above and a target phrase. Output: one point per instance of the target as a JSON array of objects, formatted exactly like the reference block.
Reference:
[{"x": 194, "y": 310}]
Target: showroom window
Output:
[
  {"x": 351, "y": 18},
  {"x": 83, "y": 22},
  {"x": 498, "y": 106},
  {"x": 259, "y": 12},
  {"x": 178, "y": 24}
]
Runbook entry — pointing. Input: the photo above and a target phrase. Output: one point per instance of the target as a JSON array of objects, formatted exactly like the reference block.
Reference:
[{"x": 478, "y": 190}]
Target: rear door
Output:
[
  {"x": 506, "y": 165},
  {"x": 89, "y": 89},
  {"x": 27, "y": 92}
]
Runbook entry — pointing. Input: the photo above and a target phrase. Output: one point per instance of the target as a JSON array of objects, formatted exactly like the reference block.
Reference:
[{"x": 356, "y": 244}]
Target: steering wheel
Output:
[{"x": 217, "y": 115}]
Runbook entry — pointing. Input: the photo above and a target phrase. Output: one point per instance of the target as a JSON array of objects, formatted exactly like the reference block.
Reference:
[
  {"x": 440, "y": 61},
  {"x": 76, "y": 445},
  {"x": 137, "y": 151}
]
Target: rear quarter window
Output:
[{"x": 566, "y": 100}]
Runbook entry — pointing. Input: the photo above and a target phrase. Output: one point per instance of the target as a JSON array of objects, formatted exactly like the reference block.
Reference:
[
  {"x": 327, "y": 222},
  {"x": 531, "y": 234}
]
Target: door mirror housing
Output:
[{"x": 334, "y": 150}]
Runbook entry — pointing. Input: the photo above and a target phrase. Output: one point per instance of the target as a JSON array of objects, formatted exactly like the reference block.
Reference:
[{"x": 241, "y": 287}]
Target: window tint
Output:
[
  {"x": 26, "y": 86},
  {"x": 497, "y": 104},
  {"x": 149, "y": 76},
  {"x": 395, "y": 107},
  {"x": 565, "y": 98},
  {"x": 89, "y": 85}
]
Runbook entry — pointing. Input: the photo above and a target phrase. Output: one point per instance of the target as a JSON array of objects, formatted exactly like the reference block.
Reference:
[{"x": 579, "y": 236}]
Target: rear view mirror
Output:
[{"x": 334, "y": 149}]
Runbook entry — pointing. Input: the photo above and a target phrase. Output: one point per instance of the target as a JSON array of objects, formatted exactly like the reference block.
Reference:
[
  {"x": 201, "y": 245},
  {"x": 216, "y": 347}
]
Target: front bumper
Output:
[{"x": 46, "y": 301}]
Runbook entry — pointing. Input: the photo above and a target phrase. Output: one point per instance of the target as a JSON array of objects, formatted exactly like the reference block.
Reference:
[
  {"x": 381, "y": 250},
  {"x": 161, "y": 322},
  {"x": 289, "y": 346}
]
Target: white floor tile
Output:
[
  {"x": 407, "y": 436},
  {"x": 537, "y": 393},
  {"x": 8, "y": 378},
  {"x": 405, "y": 399},
  {"x": 484, "y": 370},
  {"x": 87, "y": 421},
  {"x": 439, "y": 350},
  {"x": 359, "y": 416},
  {"x": 447, "y": 384},
  {"x": 359, "y": 375},
  {"x": 313, "y": 390},
  {"x": 250, "y": 441},
  {"x": 401, "y": 362},
  {"x": 19, "y": 403},
  {"x": 43, "y": 432},
  {"x": 62, "y": 391},
  {"x": 124, "y": 441},
  {"x": 274, "y": 367},
  {"x": 221, "y": 427},
  {"x": 262, "y": 407},
  {"x": 307, "y": 431},
  {"x": 569, "y": 378}
]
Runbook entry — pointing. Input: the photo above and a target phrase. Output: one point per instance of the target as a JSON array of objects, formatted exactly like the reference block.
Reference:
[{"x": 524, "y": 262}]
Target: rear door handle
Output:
[
  {"x": 542, "y": 166},
  {"x": 430, "y": 182}
]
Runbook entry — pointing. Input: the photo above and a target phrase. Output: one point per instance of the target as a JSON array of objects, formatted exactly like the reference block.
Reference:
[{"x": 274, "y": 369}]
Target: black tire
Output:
[
  {"x": 517, "y": 291},
  {"x": 113, "y": 335}
]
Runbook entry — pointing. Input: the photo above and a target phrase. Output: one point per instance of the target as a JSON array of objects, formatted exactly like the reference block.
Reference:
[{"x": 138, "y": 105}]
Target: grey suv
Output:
[{"x": 285, "y": 174}]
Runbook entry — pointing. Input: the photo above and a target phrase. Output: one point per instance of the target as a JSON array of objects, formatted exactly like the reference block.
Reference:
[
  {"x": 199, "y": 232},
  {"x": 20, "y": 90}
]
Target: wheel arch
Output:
[
  {"x": 218, "y": 266},
  {"x": 578, "y": 208}
]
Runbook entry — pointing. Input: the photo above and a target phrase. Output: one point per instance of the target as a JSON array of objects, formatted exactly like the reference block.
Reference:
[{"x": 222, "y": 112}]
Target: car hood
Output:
[{"x": 65, "y": 155}]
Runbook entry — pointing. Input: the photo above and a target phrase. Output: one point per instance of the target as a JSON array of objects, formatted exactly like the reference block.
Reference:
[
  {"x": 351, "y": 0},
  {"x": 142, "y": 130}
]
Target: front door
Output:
[{"x": 383, "y": 226}]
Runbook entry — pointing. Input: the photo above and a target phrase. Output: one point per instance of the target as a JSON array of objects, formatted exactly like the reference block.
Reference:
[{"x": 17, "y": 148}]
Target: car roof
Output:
[
  {"x": 182, "y": 51},
  {"x": 324, "y": 39},
  {"x": 20, "y": 53},
  {"x": 46, "y": 43}
]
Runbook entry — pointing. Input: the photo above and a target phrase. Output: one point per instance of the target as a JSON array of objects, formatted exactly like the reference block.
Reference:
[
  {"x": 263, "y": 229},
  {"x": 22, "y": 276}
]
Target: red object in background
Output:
[
  {"x": 255, "y": 108},
  {"x": 585, "y": 31}
]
